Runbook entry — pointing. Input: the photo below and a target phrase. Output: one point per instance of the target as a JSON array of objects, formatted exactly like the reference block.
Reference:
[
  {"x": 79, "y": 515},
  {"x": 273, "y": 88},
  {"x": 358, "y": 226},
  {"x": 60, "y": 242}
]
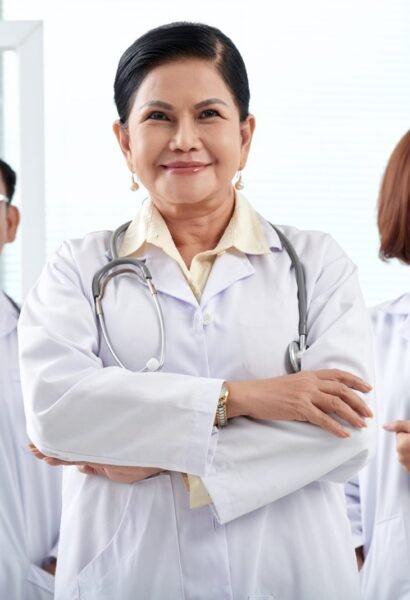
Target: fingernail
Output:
[
  {"x": 345, "y": 434},
  {"x": 361, "y": 423},
  {"x": 388, "y": 427}
]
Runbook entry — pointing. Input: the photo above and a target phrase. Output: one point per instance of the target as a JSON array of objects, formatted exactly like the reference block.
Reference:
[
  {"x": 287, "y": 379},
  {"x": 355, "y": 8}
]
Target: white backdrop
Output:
[{"x": 330, "y": 90}]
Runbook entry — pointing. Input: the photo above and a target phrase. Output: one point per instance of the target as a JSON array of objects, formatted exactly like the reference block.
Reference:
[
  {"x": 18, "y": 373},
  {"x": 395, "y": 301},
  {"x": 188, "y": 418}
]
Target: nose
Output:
[{"x": 185, "y": 136}]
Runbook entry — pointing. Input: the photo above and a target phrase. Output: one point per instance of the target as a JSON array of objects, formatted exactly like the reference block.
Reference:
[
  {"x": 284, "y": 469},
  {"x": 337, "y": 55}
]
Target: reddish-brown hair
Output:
[{"x": 393, "y": 216}]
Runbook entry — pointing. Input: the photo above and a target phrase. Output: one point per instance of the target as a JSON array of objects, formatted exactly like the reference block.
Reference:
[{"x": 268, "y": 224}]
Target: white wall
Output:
[{"x": 330, "y": 90}]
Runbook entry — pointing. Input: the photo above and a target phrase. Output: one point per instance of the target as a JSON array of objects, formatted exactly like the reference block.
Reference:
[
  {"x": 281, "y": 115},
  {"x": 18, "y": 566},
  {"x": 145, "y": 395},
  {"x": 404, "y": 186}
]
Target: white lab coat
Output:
[
  {"x": 277, "y": 527},
  {"x": 30, "y": 491},
  {"x": 379, "y": 498}
]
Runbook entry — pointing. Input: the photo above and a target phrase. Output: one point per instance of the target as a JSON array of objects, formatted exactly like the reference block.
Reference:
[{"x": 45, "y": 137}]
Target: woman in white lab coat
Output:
[
  {"x": 259, "y": 512},
  {"x": 379, "y": 499},
  {"x": 30, "y": 493}
]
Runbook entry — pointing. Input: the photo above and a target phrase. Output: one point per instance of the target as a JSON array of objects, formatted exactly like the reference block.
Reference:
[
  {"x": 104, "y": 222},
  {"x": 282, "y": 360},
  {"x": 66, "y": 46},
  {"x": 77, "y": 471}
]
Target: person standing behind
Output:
[
  {"x": 379, "y": 498},
  {"x": 30, "y": 492}
]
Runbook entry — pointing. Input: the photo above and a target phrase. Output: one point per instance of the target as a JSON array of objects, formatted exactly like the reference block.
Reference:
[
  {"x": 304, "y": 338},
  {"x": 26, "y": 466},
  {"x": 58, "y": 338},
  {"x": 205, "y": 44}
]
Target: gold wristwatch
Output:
[{"x": 221, "y": 418}]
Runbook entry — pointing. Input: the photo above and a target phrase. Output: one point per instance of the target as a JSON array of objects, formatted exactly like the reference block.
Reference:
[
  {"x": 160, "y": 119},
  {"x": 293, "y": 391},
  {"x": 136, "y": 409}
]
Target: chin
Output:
[{"x": 185, "y": 195}]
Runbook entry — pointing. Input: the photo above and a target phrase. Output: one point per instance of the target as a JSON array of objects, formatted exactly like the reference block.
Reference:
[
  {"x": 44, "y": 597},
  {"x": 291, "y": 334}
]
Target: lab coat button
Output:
[{"x": 207, "y": 318}]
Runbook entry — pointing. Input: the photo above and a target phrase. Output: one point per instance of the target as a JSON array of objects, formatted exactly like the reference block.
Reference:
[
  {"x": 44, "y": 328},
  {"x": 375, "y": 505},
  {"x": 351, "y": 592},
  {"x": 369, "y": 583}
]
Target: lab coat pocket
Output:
[
  {"x": 40, "y": 584},
  {"x": 142, "y": 560},
  {"x": 385, "y": 573}
]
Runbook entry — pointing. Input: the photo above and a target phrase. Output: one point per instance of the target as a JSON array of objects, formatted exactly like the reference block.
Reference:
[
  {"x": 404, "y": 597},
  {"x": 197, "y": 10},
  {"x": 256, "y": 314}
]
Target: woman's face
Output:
[
  {"x": 3, "y": 214},
  {"x": 184, "y": 139},
  {"x": 9, "y": 218}
]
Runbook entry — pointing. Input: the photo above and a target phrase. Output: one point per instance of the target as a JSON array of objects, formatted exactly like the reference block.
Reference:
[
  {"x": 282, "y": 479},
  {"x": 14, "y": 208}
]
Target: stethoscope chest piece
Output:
[{"x": 295, "y": 356}]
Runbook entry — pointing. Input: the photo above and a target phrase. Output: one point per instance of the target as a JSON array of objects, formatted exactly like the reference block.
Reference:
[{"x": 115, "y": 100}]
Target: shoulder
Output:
[
  {"x": 80, "y": 257},
  {"x": 313, "y": 243},
  {"x": 306, "y": 242},
  {"x": 93, "y": 244},
  {"x": 391, "y": 315},
  {"x": 73, "y": 265},
  {"x": 324, "y": 262},
  {"x": 398, "y": 306}
]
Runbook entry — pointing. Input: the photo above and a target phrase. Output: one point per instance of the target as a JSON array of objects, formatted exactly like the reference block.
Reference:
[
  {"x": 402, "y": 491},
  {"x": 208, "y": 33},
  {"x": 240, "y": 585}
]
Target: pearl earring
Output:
[
  {"x": 239, "y": 185},
  {"x": 134, "y": 183}
]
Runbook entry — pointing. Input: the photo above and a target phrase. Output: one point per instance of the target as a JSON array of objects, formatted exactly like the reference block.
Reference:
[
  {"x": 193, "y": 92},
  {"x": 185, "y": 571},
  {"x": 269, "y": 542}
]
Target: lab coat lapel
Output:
[
  {"x": 167, "y": 276},
  {"x": 227, "y": 269},
  {"x": 169, "y": 279},
  {"x": 8, "y": 316}
]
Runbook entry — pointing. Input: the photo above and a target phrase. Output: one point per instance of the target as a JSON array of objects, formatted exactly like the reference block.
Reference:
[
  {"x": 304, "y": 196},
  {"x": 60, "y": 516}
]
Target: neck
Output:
[{"x": 197, "y": 227}]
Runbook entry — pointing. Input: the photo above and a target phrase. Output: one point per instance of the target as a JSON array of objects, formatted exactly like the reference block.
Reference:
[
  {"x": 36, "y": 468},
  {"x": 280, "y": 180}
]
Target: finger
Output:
[
  {"x": 36, "y": 452},
  {"x": 88, "y": 470},
  {"x": 322, "y": 420},
  {"x": 56, "y": 462},
  {"x": 50, "y": 460},
  {"x": 347, "y": 395},
  {"x": 352, "y": 381},
  {"x": 399, "y": 426},
  {"x": 333, "y": 404}
]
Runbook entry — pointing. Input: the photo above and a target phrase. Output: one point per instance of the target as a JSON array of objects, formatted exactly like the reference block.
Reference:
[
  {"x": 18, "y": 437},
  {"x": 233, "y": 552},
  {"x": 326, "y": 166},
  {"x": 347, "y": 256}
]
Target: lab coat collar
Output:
[
  {"x": 243, "y": 232},
  {"x": 398, "y": 306},
  {"x": 230, "y": 266},
  {"x": 8, "y": 316},
  {"x": 168, "y": 278}
]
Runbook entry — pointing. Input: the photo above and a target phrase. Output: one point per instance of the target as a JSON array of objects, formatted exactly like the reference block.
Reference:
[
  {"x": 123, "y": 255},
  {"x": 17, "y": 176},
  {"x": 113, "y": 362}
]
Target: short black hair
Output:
[
  {"x": 175, "y": 41},
  {"x": 9, "y": 177}
]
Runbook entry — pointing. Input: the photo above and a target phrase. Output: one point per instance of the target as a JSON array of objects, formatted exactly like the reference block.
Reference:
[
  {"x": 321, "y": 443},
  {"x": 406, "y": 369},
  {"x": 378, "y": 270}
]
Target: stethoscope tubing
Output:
[{"x": 118, "y": 266}]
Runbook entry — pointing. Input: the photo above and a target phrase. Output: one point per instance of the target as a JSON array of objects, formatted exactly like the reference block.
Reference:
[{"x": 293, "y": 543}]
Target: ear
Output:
[
  {"x": 13, "y": 220},
  {"x": 247, "y": 129},
  {"x": 122, "y": 135}
]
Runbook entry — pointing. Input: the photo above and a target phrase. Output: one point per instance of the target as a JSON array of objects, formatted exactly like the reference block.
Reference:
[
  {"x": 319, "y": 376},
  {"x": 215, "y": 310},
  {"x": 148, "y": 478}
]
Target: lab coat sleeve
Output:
[
  {"x": 354, "y": 510},
  {"x": 66, "y": 389},
  {"x": 258, "y": 462}
]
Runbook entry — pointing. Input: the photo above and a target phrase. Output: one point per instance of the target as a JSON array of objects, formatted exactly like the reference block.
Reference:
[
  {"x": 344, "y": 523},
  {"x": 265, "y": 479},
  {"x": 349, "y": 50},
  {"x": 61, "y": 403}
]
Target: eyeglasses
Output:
[{"x": 4, "y": 198}]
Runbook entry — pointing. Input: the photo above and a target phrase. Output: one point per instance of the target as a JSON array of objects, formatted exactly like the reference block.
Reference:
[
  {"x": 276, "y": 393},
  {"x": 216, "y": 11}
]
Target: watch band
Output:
[{"x": 221, "y": 409}]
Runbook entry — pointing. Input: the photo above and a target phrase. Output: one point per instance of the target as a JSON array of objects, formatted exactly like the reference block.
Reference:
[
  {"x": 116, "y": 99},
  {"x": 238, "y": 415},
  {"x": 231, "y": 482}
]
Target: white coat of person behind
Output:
[
  {"x": 271, "y": 522},
  {"x": 379, "y": 498},
  {"x": 30, "y": 492}
]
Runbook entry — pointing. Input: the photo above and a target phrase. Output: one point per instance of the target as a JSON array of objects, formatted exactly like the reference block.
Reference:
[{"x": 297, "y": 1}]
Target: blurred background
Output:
[{"x": 330, "y": 86}]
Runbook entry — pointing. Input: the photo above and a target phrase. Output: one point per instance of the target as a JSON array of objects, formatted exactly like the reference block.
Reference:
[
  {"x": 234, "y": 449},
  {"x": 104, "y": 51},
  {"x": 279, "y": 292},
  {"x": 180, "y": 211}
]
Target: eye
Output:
[
  {"x": 157, "y": 115},
  {"x": 208, "y": 113}
]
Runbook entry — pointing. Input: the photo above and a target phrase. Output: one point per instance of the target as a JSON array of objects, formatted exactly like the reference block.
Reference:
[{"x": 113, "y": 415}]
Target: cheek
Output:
[
  {"x": 228, "y": 146},
  {"x": 146, "y": 147},
  {"x": 229, "y": 157}
]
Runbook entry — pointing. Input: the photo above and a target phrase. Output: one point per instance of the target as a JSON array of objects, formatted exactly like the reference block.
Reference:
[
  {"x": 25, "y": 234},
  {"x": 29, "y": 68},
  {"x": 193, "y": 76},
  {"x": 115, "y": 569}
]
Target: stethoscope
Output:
[{"x": 119, "y": 266}]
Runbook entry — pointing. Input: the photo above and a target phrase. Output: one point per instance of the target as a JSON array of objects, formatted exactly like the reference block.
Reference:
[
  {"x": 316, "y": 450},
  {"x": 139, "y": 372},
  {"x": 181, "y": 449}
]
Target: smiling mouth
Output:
[{"x": 185, "y": 168}]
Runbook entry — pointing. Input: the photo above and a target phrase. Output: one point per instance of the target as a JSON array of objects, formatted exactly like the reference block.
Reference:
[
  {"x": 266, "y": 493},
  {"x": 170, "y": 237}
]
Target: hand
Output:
[
  {"x": 113, "y": 472},
  {"x": 119, "y": 474},
  {"x": 308, "y": 396},
  {"x": 50, "y": 566},
  {"x": 402, "y": 431},
  {"x": 360, "y": 558}
]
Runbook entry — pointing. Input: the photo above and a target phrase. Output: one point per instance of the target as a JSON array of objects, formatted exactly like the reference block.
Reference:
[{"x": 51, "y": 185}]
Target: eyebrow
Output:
[{"x": 166, "y": 106}]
